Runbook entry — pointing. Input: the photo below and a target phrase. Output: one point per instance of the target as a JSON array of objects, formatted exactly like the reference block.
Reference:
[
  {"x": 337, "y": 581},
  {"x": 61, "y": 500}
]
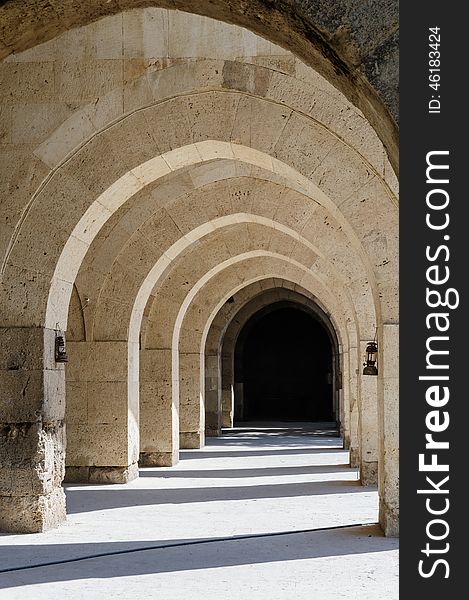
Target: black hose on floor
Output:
[{"x": 233, "y": 538}]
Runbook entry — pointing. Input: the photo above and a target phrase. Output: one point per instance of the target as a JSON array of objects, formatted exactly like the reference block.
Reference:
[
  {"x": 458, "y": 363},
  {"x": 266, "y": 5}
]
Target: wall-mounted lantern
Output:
[
  {"x": 60, "y": 351},
  {"x": 371, "y": 356}
]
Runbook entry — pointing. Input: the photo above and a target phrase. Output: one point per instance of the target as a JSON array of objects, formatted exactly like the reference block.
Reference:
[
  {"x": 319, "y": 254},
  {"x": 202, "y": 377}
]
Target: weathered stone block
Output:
[
  {"x": 227, "y": 419},
  {"x": 107, "y": 403},
  {"x": 27, "y": 349},
  {"x": 97, "y": 361},
  {"x": 21, "y": 395},
  {"x": 389, "y": 519},
  {"x": 32, "y": 513},
  {"x": 101, "y": 475},
  {"x": 354, "y": 457},
  {"x": 369, "y": 473},
  {"x": 155, "y": 364},
  {"x": 190, "y": 440},
  {"x": 98, "y": 444},
  {"x": 31, "y": 458},
  {"x": 158, "y": 459}
]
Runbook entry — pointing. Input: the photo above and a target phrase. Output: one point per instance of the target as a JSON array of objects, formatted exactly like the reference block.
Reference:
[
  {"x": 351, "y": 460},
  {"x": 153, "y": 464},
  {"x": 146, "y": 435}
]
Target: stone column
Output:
[
  {"x": 389, "y": 432},
  {"x": 368, "y": 429},
  {"x": 354, "y": 409},
  {"x": 227, "y": 391},
  {"x": 32, "y": 433},
  {"x": 191, "y": 400},
  {"x": 213, "y": 417},
  {"x": 159, "y": 429},
  {"x": 102, "y": 413},
  {"x": 344, "y": 395},
  {"x": 368, "y": 422},
  {"x": 363, "y": 420},
  {"x": 239, "y": 400}
]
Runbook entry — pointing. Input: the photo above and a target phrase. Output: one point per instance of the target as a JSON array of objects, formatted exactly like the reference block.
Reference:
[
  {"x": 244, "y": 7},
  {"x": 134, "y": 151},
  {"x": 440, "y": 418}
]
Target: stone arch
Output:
[
  {"x": 107, "y": 320},
  {"x": 119, "y": 192},
  {"x": 213, "y": 225},
  {"x": 357, "y": 430},
  {"x": 191, "y": 349},
  {"x": 96, "y": 352},
  {"x": 134, "y": 337},
  {"x": 192, "y": 368},
  {"x": 358, "y": 55},
  {"x": 211, "y": 156},
  {"x": 221, "y": 341}
]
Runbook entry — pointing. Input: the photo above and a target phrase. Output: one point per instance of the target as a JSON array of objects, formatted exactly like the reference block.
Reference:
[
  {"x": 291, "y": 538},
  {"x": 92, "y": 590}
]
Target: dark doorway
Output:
[{"x": 283, "y": 367}]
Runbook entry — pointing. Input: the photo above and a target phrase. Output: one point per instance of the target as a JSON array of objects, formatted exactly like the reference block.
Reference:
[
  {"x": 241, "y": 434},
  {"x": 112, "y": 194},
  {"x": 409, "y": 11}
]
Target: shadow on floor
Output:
[
  {"x": 207, "y": 453},
  {"x": 260, "y": 429},
  {"x": 268, "y": 439},
  {"x": 92, "y": 499},
  {"x": 241, "y": 473},
  {"x": 290, "y": 547}
]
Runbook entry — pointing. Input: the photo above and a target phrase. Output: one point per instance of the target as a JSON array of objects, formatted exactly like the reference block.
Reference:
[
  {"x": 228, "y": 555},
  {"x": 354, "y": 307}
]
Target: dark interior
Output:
[{"x": 284, "y": 361}]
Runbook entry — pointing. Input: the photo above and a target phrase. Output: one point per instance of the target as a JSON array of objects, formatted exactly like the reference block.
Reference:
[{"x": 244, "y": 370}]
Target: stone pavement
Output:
[{"x": 167, "y": 534}]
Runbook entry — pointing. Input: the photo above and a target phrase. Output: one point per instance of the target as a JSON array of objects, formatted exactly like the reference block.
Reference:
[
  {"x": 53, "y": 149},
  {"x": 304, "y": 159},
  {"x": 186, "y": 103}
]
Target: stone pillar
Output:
[
  {"x": 212, "y": 395},
  {"x": 368, "y": 422},
  {"x": 354, "y": 435},
  {"x": 239, "y": 400},
  {"x": 32, "y": 433},
  {"x": 227, "y": 391},
  {"x": 389, "y": 431},
  {"x": 363, "y": 419},
  {"x": 344, "y": 395},
  {"x": 354, "y": 409},
  {"x": 159, "y": 429},
  {"x": 191, "y": 401},
  {"x": 102, "y": 413},
  {"x": 369, "y": 430}
]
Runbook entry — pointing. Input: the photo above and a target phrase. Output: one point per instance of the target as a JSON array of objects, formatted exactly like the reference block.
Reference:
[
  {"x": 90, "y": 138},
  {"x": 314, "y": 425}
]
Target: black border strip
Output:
[{"x": 437, "y": 127}]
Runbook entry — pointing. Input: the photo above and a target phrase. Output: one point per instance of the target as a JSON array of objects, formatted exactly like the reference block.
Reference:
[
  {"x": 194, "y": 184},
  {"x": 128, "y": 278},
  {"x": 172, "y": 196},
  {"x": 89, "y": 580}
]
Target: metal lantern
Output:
[
  {"x": 370, "y": 364},
  {"x": 60, "y": 352}
]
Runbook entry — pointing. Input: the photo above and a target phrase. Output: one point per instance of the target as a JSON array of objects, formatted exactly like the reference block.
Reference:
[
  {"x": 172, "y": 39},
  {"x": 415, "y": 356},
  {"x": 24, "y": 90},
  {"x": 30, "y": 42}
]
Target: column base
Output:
[
  {"x": 227, "y": 420},
  {"x": 101, "y": 474},
  {"x": 32, "y": 514},
  {"x": 354, "y": 458},
  {"x": 212, "y": 432},
  {"x": 389, "y": 520},
  {"x": 191, "y": 440},
  {"x": 212, "y": 424},
  {"x": 369, "y": 473},
  {"x": 158, "y": 459}
]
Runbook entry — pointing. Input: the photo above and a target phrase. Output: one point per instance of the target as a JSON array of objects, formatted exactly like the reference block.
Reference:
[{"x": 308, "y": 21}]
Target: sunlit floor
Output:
[{"x": 169, "y": 534}]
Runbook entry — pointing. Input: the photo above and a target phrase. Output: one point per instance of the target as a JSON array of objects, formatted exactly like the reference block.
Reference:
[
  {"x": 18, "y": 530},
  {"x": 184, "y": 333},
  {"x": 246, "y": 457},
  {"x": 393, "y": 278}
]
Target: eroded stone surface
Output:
[
  {"x": 32, "y": 514},
  {"x": 101, "y": 474}
]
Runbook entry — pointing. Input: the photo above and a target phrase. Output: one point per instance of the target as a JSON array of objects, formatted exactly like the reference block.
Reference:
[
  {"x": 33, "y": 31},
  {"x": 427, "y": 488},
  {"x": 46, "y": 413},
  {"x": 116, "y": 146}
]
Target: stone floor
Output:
[{"x": 258, "y": 513}]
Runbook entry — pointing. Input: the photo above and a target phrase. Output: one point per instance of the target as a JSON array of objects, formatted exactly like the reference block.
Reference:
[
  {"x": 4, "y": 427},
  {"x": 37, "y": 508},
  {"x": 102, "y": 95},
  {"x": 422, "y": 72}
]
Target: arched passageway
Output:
[
  {"x": 283, "y": 368},
  {"x": 155, "y": 164}
]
